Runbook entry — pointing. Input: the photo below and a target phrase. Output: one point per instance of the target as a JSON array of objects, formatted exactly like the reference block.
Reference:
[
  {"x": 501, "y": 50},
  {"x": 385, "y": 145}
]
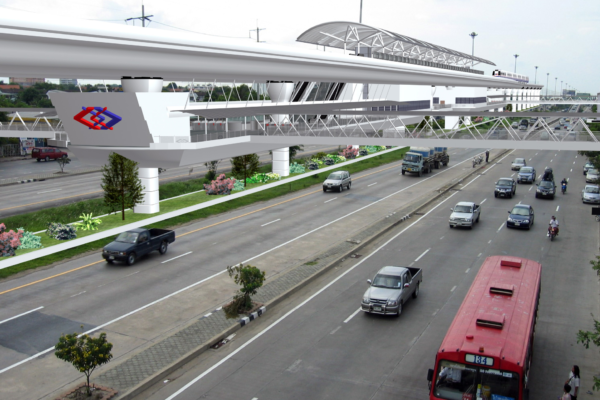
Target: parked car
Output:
[
  {"x": 526, "y": 175},
  {"x": 465, "y": 213},
  {"x": 514, "y": 125},
  {"x": 557, "y": 128},
  {"x": 337, "y": 181},
  {"x": 390, "y": 289},
  {"x": 47, "y": 153},
  {"x": 545, "y": 189},
  {"x": 133, "y": 244},
  {"x": 592, "y": 175},
  {"x": 521, "y": 216},
  {"x": 505, "y": 187},
  {"x": 588, "y": 165},
  {"x": 518, "y": 164},
  {"x": 591, "y": 194}
]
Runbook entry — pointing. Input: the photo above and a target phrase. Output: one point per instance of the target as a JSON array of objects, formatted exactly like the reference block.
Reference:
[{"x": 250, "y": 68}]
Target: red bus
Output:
[{"x": 487, "y": 351}]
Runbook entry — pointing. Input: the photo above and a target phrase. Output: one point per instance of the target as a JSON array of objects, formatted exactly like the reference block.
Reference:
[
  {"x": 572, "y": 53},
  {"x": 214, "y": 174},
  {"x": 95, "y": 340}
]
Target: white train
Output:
[{"x": 510, "y": 75}]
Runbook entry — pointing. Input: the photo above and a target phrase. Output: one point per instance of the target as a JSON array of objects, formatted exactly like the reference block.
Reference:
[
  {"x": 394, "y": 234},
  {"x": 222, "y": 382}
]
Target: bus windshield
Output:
[{"x": 456, "y": 381}]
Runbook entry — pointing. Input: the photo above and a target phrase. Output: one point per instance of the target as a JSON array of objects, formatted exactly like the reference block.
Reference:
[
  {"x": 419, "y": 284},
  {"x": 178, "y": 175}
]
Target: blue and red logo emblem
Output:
[{"x": 98, "y": 118}]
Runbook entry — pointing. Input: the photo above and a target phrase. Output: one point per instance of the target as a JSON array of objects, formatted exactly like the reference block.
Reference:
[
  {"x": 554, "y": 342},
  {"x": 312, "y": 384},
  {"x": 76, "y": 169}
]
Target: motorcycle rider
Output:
[
  {"x": 564, "y": 183},
  {"x": 548, "y": 175},
  {"x": 553, "y": 224}
]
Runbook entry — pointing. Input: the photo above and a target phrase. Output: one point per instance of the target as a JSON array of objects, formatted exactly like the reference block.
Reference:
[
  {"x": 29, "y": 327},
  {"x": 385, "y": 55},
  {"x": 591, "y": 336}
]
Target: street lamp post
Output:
[
  {"x": 547, "y": 77},
  {"x": 473, "y": 34},
  {"x": 555, "y": 80},
  {"x": 516, "y": 55},
  {"x": 536, "y": 67},
  {"x": 561, "y": 90},
  {"x": 360, "y": 18}
]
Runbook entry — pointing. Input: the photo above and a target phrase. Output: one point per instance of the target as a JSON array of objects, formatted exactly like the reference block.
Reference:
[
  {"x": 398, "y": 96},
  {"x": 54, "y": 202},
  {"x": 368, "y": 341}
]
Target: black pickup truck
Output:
[{"x": 133, "y": 244}]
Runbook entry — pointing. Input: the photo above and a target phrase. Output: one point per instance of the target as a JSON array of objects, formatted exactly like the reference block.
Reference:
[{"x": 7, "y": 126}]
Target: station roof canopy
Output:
[{"x": 347, "y": 35}]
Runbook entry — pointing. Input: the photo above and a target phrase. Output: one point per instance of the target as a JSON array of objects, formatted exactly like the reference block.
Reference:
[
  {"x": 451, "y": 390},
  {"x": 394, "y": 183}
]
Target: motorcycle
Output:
[
  {"x": 477, "y": 160},
  {"x": 563, "y": 188},
  {"x": 552, "y": 232}
]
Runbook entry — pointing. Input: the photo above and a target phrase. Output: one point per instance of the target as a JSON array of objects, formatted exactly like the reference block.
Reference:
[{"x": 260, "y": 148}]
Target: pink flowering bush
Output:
[
  {"x": 349, "y": 152},
  {"x": 9, "y": 241},
  {"x": 220, "y": 186}
]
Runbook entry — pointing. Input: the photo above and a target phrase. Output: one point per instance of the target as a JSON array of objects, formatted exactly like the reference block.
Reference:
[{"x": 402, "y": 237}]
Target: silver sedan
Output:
[{"x": 591, "y": 194}]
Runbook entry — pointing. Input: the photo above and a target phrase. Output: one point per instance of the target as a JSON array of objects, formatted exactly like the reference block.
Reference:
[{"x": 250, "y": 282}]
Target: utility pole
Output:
[
  {"x": 536, "y": 67},
  {"x": 561, "y": 91},
  {"x": 516, "y": 55},
  {"x": 257, "y": 32},
  {"x": 360, "y": 17},
  {"x": 547, "y": 77},
  {"x": 473, "y": 34},
  {"x": 555, "y": 80},
  {"x": 143, "y": 18}
]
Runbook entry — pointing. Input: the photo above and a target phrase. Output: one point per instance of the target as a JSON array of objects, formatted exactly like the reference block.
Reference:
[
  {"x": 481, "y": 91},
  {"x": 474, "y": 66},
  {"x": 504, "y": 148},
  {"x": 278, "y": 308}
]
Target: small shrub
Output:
[
  {"x": 238, "y": 185},
  {"x": 320, "y": 155},
  {"x": 364, "y": 152},
  {"x": 221, "y": 185},
  {"x": 313, "y": 166},
  {"x": 250, "y": 279},
  {"x": 328, "y": 161},
  {"x": 30, "y": 241},
  {"x": 296, "y": 168},
  {"x": 9, "y": 241},
  {"x": 88, "y": 222},
  {"x": 60, "y": 231},
  {"x": 349, "y": 152}
]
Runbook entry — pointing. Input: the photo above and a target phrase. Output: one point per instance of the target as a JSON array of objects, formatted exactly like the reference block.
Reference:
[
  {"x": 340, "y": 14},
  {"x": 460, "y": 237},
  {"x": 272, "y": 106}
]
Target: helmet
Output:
[{"x": 553, "y": 217}]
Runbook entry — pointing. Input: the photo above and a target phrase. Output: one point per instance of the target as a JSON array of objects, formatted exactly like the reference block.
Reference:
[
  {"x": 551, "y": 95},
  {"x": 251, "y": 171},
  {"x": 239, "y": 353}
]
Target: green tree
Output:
[
  {"x": 212, "y": 167},
  {"x": 294, "y": 150},
  {"x": 62, "y": 162},
  {"x": 121, "y": 184},
  {"x": 250, "y": 279},
  {"x": 243, "y": 167},
  {"x": 595, "y": 108},
  {"x": 508, "y": 107},
  {"x": 85, "y": 353}
]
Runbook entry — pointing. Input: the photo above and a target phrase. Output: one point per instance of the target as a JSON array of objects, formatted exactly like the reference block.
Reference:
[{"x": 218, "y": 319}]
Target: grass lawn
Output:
[{"x": 38, "y": 220}]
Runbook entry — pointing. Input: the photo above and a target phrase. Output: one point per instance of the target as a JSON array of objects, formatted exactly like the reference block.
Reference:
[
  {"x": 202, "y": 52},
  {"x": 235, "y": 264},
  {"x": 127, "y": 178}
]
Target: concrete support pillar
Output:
[
  {"x": 149, "y": 179},
  {"x": 281, "y": 161},
  {"x": 148, "y": 176},
  {"x": 281, "y": 92}
]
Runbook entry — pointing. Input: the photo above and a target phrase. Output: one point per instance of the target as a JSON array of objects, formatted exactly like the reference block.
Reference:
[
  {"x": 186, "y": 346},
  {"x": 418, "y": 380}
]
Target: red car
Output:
[{"x": 47, "y": 153}]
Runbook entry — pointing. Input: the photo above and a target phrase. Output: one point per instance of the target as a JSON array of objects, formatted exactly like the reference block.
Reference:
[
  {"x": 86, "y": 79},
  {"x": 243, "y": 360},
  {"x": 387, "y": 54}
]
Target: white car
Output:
[
  {"x": 518, "y": 163},
  {"x": 592, "y": 175}
]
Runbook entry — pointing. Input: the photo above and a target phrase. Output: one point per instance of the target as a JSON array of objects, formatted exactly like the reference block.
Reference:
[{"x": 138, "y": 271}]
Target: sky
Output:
[{"x": 558, "y": 36}]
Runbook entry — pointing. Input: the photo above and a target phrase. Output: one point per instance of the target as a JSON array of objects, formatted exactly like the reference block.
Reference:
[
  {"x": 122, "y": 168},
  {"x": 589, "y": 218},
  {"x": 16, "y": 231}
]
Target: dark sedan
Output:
[
  {"x": 505, "y": 187},
  {"x": 545, "y": 189},
  {"x": 526, "y": 175},
  {"x": 521, "y": 216}
]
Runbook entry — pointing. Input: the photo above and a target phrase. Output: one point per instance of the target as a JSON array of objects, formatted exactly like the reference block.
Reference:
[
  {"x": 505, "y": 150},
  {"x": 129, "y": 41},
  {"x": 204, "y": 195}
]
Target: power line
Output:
[{"x": 200, "y": 33}]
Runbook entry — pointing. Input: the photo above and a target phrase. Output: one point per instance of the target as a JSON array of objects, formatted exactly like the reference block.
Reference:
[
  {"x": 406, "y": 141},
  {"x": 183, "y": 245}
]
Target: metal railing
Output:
[{"x": 11, "y": 150}]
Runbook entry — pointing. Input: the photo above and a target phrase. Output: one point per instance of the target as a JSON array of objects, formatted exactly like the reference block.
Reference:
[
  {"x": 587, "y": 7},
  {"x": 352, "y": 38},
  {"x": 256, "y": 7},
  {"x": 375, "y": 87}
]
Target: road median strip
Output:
[{"x": 137, "y": 372}]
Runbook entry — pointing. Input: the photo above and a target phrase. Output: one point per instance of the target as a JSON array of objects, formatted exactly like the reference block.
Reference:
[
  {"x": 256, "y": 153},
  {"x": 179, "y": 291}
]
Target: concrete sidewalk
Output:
[{"x": 151, "y": 363}]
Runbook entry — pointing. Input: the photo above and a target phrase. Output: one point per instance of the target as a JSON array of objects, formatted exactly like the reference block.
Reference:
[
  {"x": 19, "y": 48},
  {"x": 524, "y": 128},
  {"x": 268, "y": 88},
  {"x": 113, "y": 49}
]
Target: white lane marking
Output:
[
  {"x": 467, "y": 271},
  {"x": 479, "y": 255},
  {"x": 575, "y": 156},
  {"x": 283, "y": 317},
  {"x": 571, "y": 171},
  {"x": 555, "y": 155},
  {"x": 512, "y": 175},
  {"x": 425, "y": 252},
  {"x": 442, "y": 237},
  {"x": 218, "y": 308},
  {"x": 330, "y": 200},
  {"x": 568, "y": 178},
  {"x": 530, "y": 188},
  {"x": 530, "y": 159},
  {"x": 557, "y": 207},
  {"x": 132, "y": 274},
  {"x": 482, "y": 201},
  {"x": 573, "y": 162},
  {"x": 551, "y": 160},
  {"x": 536, "y": 154},
  {"x": 335, "y": 330},
  {"x": 500, "y": 227},
  {"x": 174, "y": 258},
  {"x": 20, "y": 315},
  {"x": 208, "y": 315},
  {"x": 489, "y": 241},
  {"x": 41, "y": 353},
  {"x": 435, "y": 312},
  {"x": 78, "y": 293},
  {"x": 372, "y": 184},
  {"x": 48, "y": 191},
  {"x": 292, "y": 368},
  {"x": 269, "y": 223},
  {"x": 351, "y": 316},
  {"x": 519, "y": 203},
  {"x": 411, "y": 264},
  {"x": 413, "y": 341},
  {"x": 452, "y": 290}
]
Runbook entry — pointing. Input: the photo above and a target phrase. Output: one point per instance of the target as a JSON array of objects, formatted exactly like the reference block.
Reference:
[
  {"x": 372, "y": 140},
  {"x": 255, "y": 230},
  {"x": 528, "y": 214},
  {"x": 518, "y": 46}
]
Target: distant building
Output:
[
  {"x": 10, "y": 91},
  {"x": 26, "y": 82},
  {"x": 68, "y": 82}
]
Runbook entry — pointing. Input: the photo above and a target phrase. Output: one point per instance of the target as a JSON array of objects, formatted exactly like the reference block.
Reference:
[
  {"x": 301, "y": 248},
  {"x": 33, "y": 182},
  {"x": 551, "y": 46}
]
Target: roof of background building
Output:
[{"x": 336, "y": 34}]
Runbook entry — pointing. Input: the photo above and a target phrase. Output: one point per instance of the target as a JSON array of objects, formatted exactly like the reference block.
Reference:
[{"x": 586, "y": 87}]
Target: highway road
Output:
[
  {"x": 319, "y": 345},
  {"x": 35, "y": 309},
  {"x": 27, "y": 197}
]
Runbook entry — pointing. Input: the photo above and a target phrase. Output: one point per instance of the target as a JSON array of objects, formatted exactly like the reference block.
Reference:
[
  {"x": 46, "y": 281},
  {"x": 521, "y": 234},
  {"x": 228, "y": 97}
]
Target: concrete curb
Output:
[
  {"x": 411, "y": 208},
  {"x": 49, "y": 177}
]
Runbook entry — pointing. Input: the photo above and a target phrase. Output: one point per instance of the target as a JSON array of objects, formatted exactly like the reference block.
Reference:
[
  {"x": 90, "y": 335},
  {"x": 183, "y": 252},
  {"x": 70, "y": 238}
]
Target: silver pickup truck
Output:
[
  {"x": 465, "y": 213},
  {"x": 390, "y": 289}
]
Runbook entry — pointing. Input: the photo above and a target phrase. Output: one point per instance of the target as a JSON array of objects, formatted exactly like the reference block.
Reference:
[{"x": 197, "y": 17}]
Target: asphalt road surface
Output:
[
  {"x": 320, "y": 346},
  {"x": 27, "y": 197},
  {"x": 37, "y": 308}
]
